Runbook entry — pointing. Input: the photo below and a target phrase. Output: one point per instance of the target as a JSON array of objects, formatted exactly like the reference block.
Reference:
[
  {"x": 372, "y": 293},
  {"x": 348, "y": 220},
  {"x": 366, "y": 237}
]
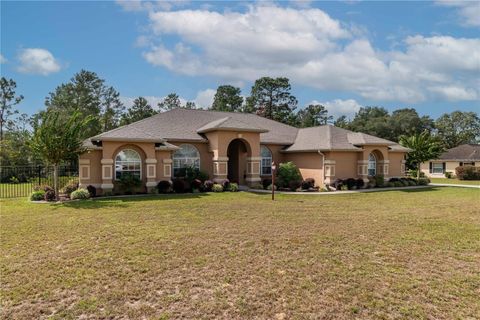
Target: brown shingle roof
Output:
[
  {"x": 469, "y": 152},
  {"x": 188, "y": 125}
]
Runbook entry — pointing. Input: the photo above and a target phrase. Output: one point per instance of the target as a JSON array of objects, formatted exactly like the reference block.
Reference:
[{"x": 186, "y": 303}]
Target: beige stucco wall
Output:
[
  {"x": 94, "y": 157},
  {"x": 309, "y": 163},
  {"x": 395, "y": 164},
  {"x": 219, "y": 141},
  {"x": 345, "y": 163}
]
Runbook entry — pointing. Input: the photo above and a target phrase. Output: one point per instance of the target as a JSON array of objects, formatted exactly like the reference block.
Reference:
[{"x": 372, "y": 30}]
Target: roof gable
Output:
[{"x": 462, "y": 152}]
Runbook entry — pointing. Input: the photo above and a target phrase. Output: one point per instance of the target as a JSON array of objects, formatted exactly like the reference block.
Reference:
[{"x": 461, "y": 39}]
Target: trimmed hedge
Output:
[
  {"x": 80, "y": 194},
  {"x": 217, "y": 187},
  {"x": 37, "y": 195}
]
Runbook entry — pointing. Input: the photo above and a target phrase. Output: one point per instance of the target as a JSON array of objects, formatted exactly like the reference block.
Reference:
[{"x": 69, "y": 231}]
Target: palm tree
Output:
[
  {"x": 56, "y": 141},
  {"x": 424, "y": 147}
]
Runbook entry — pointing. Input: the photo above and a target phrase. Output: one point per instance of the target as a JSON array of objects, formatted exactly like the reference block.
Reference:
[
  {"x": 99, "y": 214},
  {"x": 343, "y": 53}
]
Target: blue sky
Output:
[{"x": 342, "y": 54}]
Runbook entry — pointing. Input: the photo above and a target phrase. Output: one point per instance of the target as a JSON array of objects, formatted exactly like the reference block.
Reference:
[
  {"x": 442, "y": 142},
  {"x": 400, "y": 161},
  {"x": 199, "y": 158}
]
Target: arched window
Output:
[
  {"x": 266, "y": 160},
  {"x": 186, "y": 156},
  {"x": 372, "y": 165},
  {"x": 129, "y": 162}
]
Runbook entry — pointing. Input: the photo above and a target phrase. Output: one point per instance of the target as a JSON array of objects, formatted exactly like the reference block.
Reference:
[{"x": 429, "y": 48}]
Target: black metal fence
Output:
[{"x": 20, "y": 181}]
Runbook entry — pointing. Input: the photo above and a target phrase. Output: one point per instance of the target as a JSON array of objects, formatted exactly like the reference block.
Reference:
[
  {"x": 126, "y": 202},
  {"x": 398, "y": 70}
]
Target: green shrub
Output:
[
  {"x": 233, "y": 187},
  {"x": 217, "y": 188},
  {"x": 397, "y": 184},
  {"x": 411, "y": 183},
  {"x": 37, "y": 195},
  {"x": 208, "y": 185},
  {"x": 467, "y": 173},
  {"x": 287, "y": 172},
  {"x": 308, "y": 183},
  {"x": 423, "y": 181},
  {"x": 80, "y": 194},
  {"x": 448, "y": 175},
  {"x": 164, "y": 186},
  {"x": 390, "y": 184},
  {"x": 129, "y": 183},
  {"x": 379, "y": 180}
]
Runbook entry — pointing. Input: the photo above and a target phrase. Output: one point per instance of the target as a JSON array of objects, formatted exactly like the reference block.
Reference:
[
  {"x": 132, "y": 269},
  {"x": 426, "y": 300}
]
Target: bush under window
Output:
[
  {"x": 37, "y": 195},
  {"x": 217, "y": 188},
  {"x": 287, "y": 172}
]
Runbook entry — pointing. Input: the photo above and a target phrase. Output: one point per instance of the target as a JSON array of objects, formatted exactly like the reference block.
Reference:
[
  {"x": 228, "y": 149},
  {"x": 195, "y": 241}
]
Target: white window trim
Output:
[
  {"x": 441, "y": 168},
  {"x": 116, "y": 161}
]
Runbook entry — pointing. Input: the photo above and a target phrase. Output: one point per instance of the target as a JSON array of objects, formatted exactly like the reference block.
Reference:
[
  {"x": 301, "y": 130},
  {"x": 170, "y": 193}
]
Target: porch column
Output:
[
  {"x": 107, "y": 175},
  {"x": 362, "y": 170},
  {"x": 84, "y": 173},
  {"x": 329, "y": 166},
  {"x": 253, "y": 170},
  {"x": 220, "y": 169},
  {"x": 151, "y": 170}
]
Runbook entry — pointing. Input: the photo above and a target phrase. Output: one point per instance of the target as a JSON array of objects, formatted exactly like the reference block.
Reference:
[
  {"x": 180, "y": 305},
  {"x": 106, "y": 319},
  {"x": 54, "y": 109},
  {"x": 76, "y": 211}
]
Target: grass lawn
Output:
[
  {"x": 455, "y": 181},
  {"x": 383, "y": 255}
]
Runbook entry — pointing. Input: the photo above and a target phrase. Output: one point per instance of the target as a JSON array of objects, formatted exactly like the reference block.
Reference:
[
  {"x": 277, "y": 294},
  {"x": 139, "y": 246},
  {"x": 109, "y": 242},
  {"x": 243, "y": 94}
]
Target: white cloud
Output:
[
  {"x": 140, "y": 5},
  {"x": 455, "y": 93},
  {"x": 2, "y": 59},
  {"x": 312, "y": 49},
  {"x": 37, "y": 61},
  {"x": 339, "y": 107},
  {"x": 204, "y": 98},
  {"x": 468, "y": 11}
]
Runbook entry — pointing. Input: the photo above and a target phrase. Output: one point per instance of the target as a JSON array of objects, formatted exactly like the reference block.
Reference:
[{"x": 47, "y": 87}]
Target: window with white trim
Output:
[
  {"x": 437, "y": 167},
  {"x": 372, "y": 164},
  {"x": 128, "y": 162},
  {"x": 186, "y": 156},
  {"x": 266, "y": 160}
]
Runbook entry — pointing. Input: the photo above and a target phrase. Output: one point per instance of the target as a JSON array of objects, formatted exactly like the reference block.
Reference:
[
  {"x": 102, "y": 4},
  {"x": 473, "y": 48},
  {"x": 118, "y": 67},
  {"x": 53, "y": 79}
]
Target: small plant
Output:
[
  {"x": 448, "y": 175},
  {"x": 208, "y": 185},
  {"x": 129, "y": 183},
  {"x": 80, "y": 194},
  {"x": 197, "y": 185},
  {"x": 92, "y": 191},
  {"x": 344, "y": 187},
  {"x": 37, "y": 195},
  {"x": 217, "y": 187},
  {"x": 390, "y": 184},
  {"x": 308, "y": 183},
  {"x": 178, "y": 185},
  {"x": 50, "y": 195},
  {"x": 337, "y": 184},
  {"x": 14, "y": 180},
  {"x": 258, "y": 186},
  {"x": 411, "y": 183},
  {"x": 164, "y": 186},
  {"x": 233, "y": 187},
  {"x": 397, "y": 184}
]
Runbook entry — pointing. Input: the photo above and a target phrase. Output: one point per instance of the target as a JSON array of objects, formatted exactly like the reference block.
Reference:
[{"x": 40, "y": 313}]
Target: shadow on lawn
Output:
[{"x": 122, "y": 202}]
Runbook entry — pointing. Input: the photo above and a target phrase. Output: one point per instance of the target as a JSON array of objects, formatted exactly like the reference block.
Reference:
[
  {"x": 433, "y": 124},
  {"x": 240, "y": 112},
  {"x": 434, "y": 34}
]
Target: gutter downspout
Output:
[{"x": 323, "y": 165}]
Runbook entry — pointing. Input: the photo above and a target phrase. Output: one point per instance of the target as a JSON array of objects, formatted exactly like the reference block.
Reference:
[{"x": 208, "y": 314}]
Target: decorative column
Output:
[
  {"x": 329, "y": 166},
  {"x": 220, "y": 169},
  {"x": 382, "y": 167},
  {"x": 403, "y": 168},
  {"x": 151, "y": 170},
  {"x": 167, "y": 168},
  {"x": 107, "y": 175},
  {"x": 253, "y": 170},
  {"x": 84, "y": 172},
  {"x": 362, "y": 170}
]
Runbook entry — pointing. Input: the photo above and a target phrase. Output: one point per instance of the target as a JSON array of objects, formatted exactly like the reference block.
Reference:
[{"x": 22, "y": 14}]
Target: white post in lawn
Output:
[{"x": 274, "y": 167}]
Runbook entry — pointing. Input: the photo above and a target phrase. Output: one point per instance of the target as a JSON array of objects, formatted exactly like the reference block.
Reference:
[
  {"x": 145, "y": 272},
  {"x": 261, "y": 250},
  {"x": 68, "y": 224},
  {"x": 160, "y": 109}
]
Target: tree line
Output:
[{"x": 89, "y": 96}]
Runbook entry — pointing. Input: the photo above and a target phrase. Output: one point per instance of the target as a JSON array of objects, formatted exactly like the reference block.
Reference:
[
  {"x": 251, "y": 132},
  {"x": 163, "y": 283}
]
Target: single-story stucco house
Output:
[
  {"x": 237, "y": 146},
  {"x": 463, "y": 155}
]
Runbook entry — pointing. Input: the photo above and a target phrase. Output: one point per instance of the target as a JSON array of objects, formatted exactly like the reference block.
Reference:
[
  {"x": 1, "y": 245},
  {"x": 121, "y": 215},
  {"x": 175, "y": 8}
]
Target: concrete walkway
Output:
[{"x": 455, "y": 185}]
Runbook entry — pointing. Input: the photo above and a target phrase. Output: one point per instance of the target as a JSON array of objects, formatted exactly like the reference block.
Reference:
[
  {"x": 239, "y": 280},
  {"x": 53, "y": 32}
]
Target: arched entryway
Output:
[{"x": 237, "y": 152}]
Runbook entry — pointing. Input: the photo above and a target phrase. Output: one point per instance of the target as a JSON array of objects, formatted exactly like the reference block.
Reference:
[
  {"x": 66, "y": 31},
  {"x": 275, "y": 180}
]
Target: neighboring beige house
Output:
[
  {"x": 237, "y": 146},
  {"x": 463, "y": 155}
]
